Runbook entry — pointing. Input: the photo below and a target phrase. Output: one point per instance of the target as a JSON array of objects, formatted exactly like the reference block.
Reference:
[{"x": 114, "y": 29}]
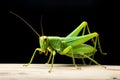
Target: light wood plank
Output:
[{"x": 59, "y": 72}]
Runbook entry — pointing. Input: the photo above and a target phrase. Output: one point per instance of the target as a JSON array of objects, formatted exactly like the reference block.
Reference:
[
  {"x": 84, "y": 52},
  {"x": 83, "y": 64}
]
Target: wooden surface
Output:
[{"x": 59, "y": 72}]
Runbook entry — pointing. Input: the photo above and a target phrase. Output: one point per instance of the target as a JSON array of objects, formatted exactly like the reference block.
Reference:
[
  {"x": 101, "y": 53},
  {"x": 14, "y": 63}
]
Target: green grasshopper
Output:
[{"x": 72, "y": 45}]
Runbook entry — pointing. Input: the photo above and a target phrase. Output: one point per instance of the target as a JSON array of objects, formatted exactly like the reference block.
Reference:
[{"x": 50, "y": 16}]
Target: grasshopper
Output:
[{"x": 72, "y": 45}]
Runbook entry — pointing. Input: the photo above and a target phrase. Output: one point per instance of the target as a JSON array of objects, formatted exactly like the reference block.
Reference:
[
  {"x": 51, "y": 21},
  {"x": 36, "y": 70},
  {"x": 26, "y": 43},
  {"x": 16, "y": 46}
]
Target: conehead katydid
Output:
[{"x": 72, "y": 45}]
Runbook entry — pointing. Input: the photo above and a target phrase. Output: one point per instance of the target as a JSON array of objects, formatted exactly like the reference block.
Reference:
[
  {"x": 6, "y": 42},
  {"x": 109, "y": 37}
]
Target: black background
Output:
[{"x": 60, "y": 17}]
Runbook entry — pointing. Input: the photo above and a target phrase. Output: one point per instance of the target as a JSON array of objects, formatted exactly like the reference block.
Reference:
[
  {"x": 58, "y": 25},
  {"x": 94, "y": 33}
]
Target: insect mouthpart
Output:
[{"x": 46, "y": 52}]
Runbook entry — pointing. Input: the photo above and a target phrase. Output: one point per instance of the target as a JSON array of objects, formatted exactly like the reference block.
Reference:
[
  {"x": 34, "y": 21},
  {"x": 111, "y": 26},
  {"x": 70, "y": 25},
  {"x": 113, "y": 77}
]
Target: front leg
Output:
[
  {"x": 51, "y": 51},
  {"x": 37, "y": 49},
  {"x": 53, "y": 55}
]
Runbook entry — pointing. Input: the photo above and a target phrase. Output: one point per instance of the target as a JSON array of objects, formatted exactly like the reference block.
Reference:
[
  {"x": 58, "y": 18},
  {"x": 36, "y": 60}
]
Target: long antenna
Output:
[
  {"x": 41, "y": 26},
  {"x": 25, "y": 22}
]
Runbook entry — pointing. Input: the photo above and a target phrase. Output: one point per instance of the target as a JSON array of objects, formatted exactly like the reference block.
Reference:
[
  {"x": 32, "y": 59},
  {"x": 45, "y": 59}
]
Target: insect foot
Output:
[
  {"x": 105, "y": 67},
  {"x": 102, "y": 66},
  {"x": 77, "y": 67},
  {"x": 25, "y": 65}
]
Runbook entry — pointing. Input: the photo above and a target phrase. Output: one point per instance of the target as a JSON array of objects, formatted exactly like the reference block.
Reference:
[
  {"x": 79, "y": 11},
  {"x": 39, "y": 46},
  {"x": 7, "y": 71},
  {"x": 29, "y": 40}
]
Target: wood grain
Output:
[{"x": 59, "y": 72}]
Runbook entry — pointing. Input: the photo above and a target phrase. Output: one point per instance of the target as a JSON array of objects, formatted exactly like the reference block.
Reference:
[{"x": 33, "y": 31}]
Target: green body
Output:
[
  {"x": 59, "y": 44},
  {"x": 72, "y": 45}
]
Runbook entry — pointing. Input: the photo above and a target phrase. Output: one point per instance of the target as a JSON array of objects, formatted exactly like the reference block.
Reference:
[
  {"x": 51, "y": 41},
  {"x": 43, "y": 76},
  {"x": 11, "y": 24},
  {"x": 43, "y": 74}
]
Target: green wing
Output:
[{"x": 79, "y": 40}]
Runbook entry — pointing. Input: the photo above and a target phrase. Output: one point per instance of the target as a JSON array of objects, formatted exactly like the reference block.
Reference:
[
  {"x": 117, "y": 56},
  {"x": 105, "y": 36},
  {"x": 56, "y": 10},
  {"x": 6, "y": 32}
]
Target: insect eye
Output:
[{"x": 45, "y": 39}]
